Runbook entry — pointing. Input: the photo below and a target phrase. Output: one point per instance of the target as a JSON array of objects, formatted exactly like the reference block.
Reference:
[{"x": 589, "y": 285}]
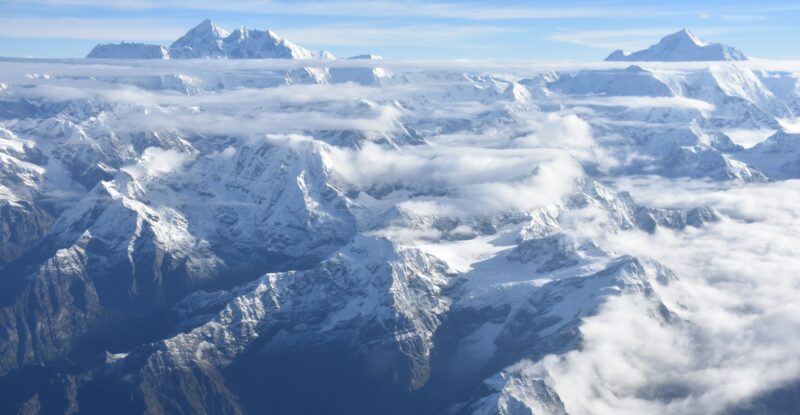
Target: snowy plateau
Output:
[{"x": 220, "y": 233}]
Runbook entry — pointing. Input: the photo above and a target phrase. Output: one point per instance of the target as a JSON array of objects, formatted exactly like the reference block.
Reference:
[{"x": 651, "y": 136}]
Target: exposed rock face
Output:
[
  {"x": 22, "y": 225},
  {"x": 52, "y": 313}
]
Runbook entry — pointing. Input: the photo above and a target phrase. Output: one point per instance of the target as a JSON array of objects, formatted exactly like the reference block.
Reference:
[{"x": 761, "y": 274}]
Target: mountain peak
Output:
[
  {"x": 682, "y": 45},
  {"x": 203, "y": 40},
  {"x": 208, "y": 26},
  {"x": 683, "y": 36},
  {"x": 207, "y": 40}
]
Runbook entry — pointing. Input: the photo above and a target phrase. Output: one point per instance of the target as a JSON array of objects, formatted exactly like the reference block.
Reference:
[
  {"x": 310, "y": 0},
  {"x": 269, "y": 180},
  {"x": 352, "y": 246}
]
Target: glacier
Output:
[{"x": 252, "y": 227}]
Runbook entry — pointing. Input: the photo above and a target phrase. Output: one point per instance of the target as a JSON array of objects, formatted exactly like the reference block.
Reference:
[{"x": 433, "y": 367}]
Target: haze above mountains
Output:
[{"x": 209, "y": 41}]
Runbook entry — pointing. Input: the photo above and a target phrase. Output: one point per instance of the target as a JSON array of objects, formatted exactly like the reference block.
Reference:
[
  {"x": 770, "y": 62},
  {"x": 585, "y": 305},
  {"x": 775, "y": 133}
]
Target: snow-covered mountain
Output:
[
  {"x": 370, "y": 236},
  {"x": 209, "y": 41},
  {"x": 128, "y": 51},
  {"x": 681, "y": 46},
  {"x": 361, "y": 75},
  {"x": 778, "y": 156},
  {"x": 202, "y": 41}
]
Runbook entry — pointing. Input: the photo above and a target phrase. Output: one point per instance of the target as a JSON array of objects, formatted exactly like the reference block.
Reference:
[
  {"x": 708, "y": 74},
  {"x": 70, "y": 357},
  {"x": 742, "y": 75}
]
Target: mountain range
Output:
[
  {"x": 354, "y": 236},
  {"x": 209, "y": 41}
]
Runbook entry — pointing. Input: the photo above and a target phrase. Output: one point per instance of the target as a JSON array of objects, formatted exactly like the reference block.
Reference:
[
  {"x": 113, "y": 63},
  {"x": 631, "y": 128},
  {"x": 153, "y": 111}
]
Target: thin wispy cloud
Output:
[
  {"x": 417, "y": 36},
  {"x": 90, "y": 29},
  {"x": 755, "y": 16},
  {"x": 627, "y": 39},
  {"x": 338, "y": 35},
  {"x": 470, "y": 11},
  {"x": 743, "y": 17}
]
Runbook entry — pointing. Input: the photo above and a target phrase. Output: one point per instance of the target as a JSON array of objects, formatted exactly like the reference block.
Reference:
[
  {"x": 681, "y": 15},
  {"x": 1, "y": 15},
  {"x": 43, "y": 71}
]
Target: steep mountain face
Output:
[
  {"x": 681, "y": 46},
  {"x": 372, "y": 303},
  {"x": 22, "y": 221},
  {"x": 202, "y": 41},
  {"x": 261, "y": 44},
  {"x": 360, "y": 237},
  {"x": 778, "y": 156},
  {"x": 23, "y": 224},
  {"x": 136, "y": 249}
]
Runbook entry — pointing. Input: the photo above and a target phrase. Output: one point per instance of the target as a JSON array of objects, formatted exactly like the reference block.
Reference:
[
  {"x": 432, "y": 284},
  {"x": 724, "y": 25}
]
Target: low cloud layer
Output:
[{"x": 736, "y": 309}]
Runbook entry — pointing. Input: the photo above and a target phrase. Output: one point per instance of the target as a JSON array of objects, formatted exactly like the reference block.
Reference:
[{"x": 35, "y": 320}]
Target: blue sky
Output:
[{"x": 442, "y": 29}]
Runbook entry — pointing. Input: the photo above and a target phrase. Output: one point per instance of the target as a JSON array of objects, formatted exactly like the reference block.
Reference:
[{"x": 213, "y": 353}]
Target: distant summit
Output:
[
  {"x": 126, "y": 50},
  {"x": 366, "y": 57},
  {"x": 209, "y": 41},
  {"x": 365, "y": 75},
  {"x": 681, "y": 46}
]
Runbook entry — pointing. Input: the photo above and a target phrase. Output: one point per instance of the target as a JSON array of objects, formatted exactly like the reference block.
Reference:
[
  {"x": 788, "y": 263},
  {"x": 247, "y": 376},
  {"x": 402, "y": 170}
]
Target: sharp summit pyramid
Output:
[{"x": 681, "y": 46}]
